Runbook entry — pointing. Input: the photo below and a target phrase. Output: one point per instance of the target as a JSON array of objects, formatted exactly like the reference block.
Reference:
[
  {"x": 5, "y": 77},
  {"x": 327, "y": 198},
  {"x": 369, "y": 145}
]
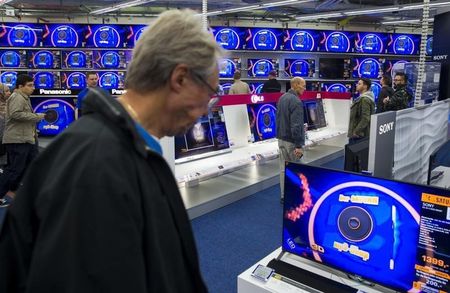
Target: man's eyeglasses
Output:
[{"x": 214, "y": 94}]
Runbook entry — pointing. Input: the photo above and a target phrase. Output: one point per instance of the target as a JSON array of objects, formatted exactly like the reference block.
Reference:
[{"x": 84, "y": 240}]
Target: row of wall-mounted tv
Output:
[
  {"x": 65, "y": 59},
  {"x": 231, "y": 38}
]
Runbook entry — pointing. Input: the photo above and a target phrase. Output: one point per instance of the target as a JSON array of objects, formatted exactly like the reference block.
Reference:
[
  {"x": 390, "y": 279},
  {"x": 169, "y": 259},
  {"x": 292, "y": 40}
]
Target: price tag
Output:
[{"x": 262, "y": 272}]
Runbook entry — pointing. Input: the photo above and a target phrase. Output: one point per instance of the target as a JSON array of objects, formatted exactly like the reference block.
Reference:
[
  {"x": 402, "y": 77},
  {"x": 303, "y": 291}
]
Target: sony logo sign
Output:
[
  {"x": 257, "y": 98},
  {"x": 440, "y": 57},
  {"x": 117, "y": 92},
  {"x": 55, "y": 92},
  {"x": 386, "y": 128}
]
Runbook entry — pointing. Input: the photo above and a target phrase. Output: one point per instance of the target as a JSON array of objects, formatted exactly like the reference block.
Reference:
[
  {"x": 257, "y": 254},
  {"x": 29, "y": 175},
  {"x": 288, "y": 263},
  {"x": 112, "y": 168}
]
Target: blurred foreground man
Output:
[{"x": 100, "y": 210}]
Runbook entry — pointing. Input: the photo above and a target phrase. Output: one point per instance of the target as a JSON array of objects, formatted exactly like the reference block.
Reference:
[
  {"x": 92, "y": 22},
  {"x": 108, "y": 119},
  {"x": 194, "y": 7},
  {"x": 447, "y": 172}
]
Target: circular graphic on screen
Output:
[
  {"x": 139, "y": 34},
  {"x": 226, "y": 87},
  {"x": 337, "y": 88},
  {"x": 302, "y": 41},
  {"x": 22, "y": 36},
  {"x": 429, "y": 48},
  {"x": 10, "y": 59},
  {"x": 43, "y": 80},
  {"x": 106, "y": 37},
  {"x": 265, "y": 121},
  {"x": 262, "y": 67},
  {"x": 376, "y": 89},
  {"x": 64, "y": 36},
  {"x": 369, "y": 68},
  {"x": 76, "y": 59},
  {"x": 9, "y": 78},
  {"x": 43, "y": 59},
  {"x": 404, "y": 45},
  {"x": 355, "y": 223},
  {"x": 299, "y": 68},
  {"x": 109, "y": 80},
  {"x": 256, "y": 88},
  {"x": 227, "y": 68},
  {"x": 58, "y": 115},
  {"x": 265, "y": 40},
  {"x": 337, "y": 42},
  {"x": 76, "y": 80},
  {"x": 110, "y": 59},
  {"x": 228, "y": 39},
  {"x": 371, "y": 43}
]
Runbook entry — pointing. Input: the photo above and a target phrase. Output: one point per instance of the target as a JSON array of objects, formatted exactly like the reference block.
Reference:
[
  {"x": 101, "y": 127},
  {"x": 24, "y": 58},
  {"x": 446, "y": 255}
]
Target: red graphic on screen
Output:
[{"x": 295, "y": 213}]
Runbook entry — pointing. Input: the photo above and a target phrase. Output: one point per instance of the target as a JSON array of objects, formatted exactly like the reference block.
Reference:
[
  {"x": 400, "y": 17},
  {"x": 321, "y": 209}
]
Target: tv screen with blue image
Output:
[
  {"x": 13, "y": 58},
  {"x": 403, "y": 44},
  {"x": 256, "y": 87},
  {"x": 383, "y": 231},
  {"x": 301, "y": 40},
  {"x": 300, "y": 67},
  {"x": 47, "y": 80},
  {"x": 367, "y": 67},
  {"x": 337, "y": 87},
  {"x": 314, "y": 114},
  {"x": 111, "y": 80},
  {"x": 393, "y": 66},
  {"x": 230, "y": 38},
  {"x": 63, "y": 35},
  {"x": 226, "y": 87},
  {"x": 77, "y": 59},
  {"x": 134, "y": 32},
  {"x": 105, "y": 36},
  {"x": 73, "y": 80},
  {"x": 228, "y": 66},
  {"x": 59, "y": 114},
  {"x": 376, "y": 89},
  {"x": 111, "y": 59},
  {"x": 371, "y": 43},
  {"x": 429, "y": 46},
  {"x": 336, "y": 41},
  {"x": 20, "y": 35},
  {"x": 9, "y": 78},
  {"x": 264, "y": 39},
  {"x": 44, "y": 59},
  {"x": 262, "y": 120},
  {"x": 261, "y": 67}
]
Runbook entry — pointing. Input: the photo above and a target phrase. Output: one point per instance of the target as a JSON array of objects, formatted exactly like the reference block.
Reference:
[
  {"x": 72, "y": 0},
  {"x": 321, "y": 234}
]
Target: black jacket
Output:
[
  {"x": 99, "y": 212},
  {"x": 386, "y": 91},
  {"x": 271, "y": 86},
  {"x": 399, "y": 100},
  {"x": 290, "y": 123}
]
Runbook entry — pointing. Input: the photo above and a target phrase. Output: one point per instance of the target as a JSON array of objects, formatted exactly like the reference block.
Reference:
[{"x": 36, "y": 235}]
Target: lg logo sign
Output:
[{"x": 255, "y": 99}]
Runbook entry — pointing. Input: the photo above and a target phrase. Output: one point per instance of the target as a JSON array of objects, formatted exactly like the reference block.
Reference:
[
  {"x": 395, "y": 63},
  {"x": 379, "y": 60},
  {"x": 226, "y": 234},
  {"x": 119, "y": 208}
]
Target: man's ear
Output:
[{"x": 178, "y": 77}]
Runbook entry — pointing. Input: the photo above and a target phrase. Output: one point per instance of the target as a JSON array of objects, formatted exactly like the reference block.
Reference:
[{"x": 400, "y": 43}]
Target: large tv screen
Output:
[
  {"x": 256, "y": 87},
  {"x": 105, "y": 36},
  {"x": 133, "y": 34},
  {"x": 111, "y": 80},
  {"x": 77, "y": 59},
  {"x": 230, "y": 38},
  {"x": 337, "y": 87},
  {"x": 228, "y": 66},
  {"x": 20, "y": 35},
  {"x": 367, "y": 67},
  {"x": 13, "y": 58},
  {"x": 73, "y": 80},
  {"x": 111, "y": 59},
  {"x": 336, "y": 42},
  {"x": 314, "y": 114},
  {"x": 63, "y": 35},
  {"x": 9, "y": 78},
  {"x": 207, "y": 135},
  {"x": 262, "y": 120},
  {"x": 335, "y": 68},
  {"x": 387, "y": 232},
  {"x": 301, "y": 40},
  {"x": 59, "y": 113},
  {"x": 44, "y": 59},
  {"x": 371, "y": 43},
  {"x": 300, "y": 67},
  {"x": 403, "y": 44},
  {"x": 393, "y": 66},
  {"x": 262, "y": 67},
  {"x": 264, "y": 39},
  {"x": 47, "y": 80}
]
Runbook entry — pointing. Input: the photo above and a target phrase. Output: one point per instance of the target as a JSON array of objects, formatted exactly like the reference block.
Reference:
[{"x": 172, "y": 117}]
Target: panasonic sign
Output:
[
  {"x": 117, "y": 92},
  {"x": 55, "y": 92}
]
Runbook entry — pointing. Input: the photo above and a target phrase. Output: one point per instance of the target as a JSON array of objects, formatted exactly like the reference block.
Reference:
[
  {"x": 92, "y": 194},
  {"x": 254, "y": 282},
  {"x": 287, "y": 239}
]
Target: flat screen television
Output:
[
  {"x": 403, "y": 44},
  {"x": 263, "y": 39},
  {"x": 429, "y": 46},
  {"x": 73, "y": 80},
  {"x": 226, "y": 87},
  {"x": 111, "y": 80},
  {"x": 337, "y": 41},
  {"x": 77, "y": 59},
  {"x": 393, "y": 66},
  {"x": 105, "y": 36},
  {"x": 133, "y": 33},
  {"x": 47, "y": 80},
  {"x": 256, "y": 87},
  {"x": 440, "y": 157},
  {"x": 367, "y": 67},
  {"x": 262, "y": 67},
  {"x": 356, "y": 156},
  {"x": 20, "y": 35},
  {"x": 314, "y": 114},
  {"x": 63, "y": 35},
  {"x": 371, "y": 43},
  {"x": 207, "y": 135},
  {"x": 335, "y": 68},
  {"x": 390, "y": 233},
  {"x": 230, "y": 38},
  {"x": 111, "y": 59},
  {"x": 44, "y": 59},
  {"x": 59, "y": 113},
  {"x": 301, "y": 40},
  {"x": 300, "y": 67},
  {"x": 228, "y": 66},
  {"x": 337, "y": 87},
  {"x": 13, "y": 58},
  {"x": 9, "y": 78},
  {"x": 376, "y": 89},
  {"x": 262, "y": 121}
]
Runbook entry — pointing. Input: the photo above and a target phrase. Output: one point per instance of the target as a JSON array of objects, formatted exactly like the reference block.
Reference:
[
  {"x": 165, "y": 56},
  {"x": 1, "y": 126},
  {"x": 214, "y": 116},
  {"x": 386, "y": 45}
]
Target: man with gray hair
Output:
[
  {"x": 290, "y": 129},
  {"x": 100, "y": 210}
]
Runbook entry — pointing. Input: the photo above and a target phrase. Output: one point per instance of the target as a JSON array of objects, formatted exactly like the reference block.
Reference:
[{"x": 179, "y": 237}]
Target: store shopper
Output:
[
  {"x": 361, "y": 110},
  {"x": 400, "y": 98},
  {"x": 19, "y": 137},
  {"x": 290, "y": 128},
  {"x": 5, "y": 93},
  {"x": 238, "y": 86},
  {"x": 272, "y": 85},
  {"x": 91, "y": 82},
  {"x": 386, "y": 91},
  {"x": 100, "y": 209}
]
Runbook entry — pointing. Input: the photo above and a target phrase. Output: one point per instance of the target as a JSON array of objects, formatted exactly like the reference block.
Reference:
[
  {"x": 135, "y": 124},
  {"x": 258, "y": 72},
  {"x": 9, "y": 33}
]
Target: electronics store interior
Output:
[{"x": 365, "y": 215}]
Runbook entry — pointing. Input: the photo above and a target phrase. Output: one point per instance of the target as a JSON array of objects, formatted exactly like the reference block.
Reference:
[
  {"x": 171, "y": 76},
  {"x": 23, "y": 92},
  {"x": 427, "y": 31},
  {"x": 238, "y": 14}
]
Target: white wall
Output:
[{"x": 238, "y": 127}]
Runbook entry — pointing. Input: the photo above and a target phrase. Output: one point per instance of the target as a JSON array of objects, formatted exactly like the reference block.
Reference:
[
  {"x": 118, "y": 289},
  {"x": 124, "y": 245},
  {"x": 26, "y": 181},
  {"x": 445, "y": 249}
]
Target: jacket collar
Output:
[
  {"x": 291, "y": 91},
  {"x": 22, "y": 94}
]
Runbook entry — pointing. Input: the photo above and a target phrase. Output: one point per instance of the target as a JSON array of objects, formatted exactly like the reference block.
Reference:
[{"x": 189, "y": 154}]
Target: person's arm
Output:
[
  {"x": 248, "y": 89},
  {"x": 365, "y": 116},
  {"x": 16, "y": 109}
]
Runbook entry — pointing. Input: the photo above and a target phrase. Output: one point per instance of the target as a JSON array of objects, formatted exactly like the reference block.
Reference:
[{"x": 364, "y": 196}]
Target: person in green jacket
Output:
[{"x": 360, "y": 111}]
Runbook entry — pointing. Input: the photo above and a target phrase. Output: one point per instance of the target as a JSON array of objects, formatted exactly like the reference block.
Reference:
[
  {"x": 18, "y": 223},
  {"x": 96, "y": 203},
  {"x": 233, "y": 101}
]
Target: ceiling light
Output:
[
  {"x": 120, "y": 6},
  {"x": 405, "y": 21},
  {"x": 319, "y": 16},
  {"x": 4, "y": 1},
  {"x": 372, "y": 11}
]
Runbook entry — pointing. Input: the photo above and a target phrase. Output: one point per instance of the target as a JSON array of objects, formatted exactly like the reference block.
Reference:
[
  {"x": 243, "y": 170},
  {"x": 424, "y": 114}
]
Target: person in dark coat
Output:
[
  {"x": 400, "y": 98},
  {"x": 360, "y": 111},
  {"x": 386, "y": 91},
  {"x": 272, "y": 85},
  {"x": 100, "y": 209}
]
